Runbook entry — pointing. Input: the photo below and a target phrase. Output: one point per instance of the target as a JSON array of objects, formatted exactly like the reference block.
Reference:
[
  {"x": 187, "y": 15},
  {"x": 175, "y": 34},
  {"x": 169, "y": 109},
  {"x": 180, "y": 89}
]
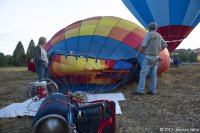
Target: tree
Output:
[
  {"x": 193, "y": 56},
  {"x": 19, "y": 56},
  {"x": 30, "y": 50},
  {"x": 9, "y": 60},
  {"x": 185, "y": 55},
  {"x": 2, "y": 59}
]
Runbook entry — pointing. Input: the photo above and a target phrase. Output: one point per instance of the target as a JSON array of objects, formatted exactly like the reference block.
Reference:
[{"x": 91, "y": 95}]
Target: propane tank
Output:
[{"x": 52, "y": 116}]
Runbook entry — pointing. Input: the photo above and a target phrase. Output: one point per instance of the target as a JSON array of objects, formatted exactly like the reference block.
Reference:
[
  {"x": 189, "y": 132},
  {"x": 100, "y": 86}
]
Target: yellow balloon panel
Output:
[
  {"x": 72, "y": 33},
  {"x": 127, "y": 25},
  {"x": 87, "y": 30},
  {"x": 89, "y": 22},
  {"x": 103, "y": 30},
  {"x": 80, "y": 63},
  {"x": 108, "y": 21}
]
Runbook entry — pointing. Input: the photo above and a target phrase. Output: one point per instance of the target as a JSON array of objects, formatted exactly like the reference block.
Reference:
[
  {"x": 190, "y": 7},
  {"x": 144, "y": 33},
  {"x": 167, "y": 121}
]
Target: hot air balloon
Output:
[
  {"x": 198, "y": 57},
  {"x": 175, "y": 18},
  {"x": 94, "y": 54}
]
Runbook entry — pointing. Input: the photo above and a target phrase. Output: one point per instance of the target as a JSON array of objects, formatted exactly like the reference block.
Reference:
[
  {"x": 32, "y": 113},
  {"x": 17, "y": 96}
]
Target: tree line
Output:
[
  {"x": 19, "y": 57},
  {"x": 185, "y": 55}
]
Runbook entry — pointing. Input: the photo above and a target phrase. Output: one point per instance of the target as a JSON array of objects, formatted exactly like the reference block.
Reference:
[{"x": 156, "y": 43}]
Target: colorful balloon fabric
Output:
[
  {"x": 198, "y": 57},
  {"x": 175, "y": 18},
  {"x": 92, "y": 54}
]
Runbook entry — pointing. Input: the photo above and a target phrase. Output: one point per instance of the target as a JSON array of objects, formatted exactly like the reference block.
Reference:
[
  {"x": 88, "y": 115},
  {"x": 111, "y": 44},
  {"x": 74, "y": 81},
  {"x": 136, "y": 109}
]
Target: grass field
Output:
[{"x": 176, "y": 104}]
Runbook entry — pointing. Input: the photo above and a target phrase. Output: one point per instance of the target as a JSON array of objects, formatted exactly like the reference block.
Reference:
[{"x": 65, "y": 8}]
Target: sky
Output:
[{"x": 23, "y": 20}]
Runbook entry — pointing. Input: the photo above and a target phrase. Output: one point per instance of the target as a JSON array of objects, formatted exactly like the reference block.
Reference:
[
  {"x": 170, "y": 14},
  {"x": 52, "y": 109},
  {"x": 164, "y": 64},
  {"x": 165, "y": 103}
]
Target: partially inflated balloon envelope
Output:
[
  {"x": 175, "y": 18},
  {"x": 92, "y": 54},
  {"x": 198, "y": 57}
]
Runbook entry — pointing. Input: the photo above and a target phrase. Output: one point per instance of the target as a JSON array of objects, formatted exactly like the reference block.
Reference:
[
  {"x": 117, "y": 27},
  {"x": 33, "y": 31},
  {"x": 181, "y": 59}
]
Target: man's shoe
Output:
[
  {"x": 136, "y": 93},
  {"x": 150, "y": 93}
]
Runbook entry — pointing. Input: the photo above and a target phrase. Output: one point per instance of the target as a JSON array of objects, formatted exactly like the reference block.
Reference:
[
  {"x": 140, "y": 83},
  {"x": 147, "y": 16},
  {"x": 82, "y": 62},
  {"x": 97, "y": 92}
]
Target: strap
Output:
[
  {"x": 54, "y": 100},
  {"x": 105, "y": 124},
  {"x": 112, "y": 106}
]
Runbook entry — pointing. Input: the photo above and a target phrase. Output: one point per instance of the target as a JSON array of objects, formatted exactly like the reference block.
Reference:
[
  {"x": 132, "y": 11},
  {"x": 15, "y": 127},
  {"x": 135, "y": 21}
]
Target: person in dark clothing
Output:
[{"x": 41, "y": 59}]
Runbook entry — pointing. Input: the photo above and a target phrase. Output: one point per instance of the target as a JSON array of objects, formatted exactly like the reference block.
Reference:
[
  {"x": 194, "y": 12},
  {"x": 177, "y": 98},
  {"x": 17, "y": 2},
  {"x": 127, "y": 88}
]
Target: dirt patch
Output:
[{"x": 175, "y": 107}]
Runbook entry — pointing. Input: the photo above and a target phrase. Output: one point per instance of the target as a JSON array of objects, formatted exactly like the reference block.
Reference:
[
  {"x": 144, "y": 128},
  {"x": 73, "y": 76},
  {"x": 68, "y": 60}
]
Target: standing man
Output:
[
  {"x": 152, "y": 44},
  {"x": 41, "y": 59}
]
